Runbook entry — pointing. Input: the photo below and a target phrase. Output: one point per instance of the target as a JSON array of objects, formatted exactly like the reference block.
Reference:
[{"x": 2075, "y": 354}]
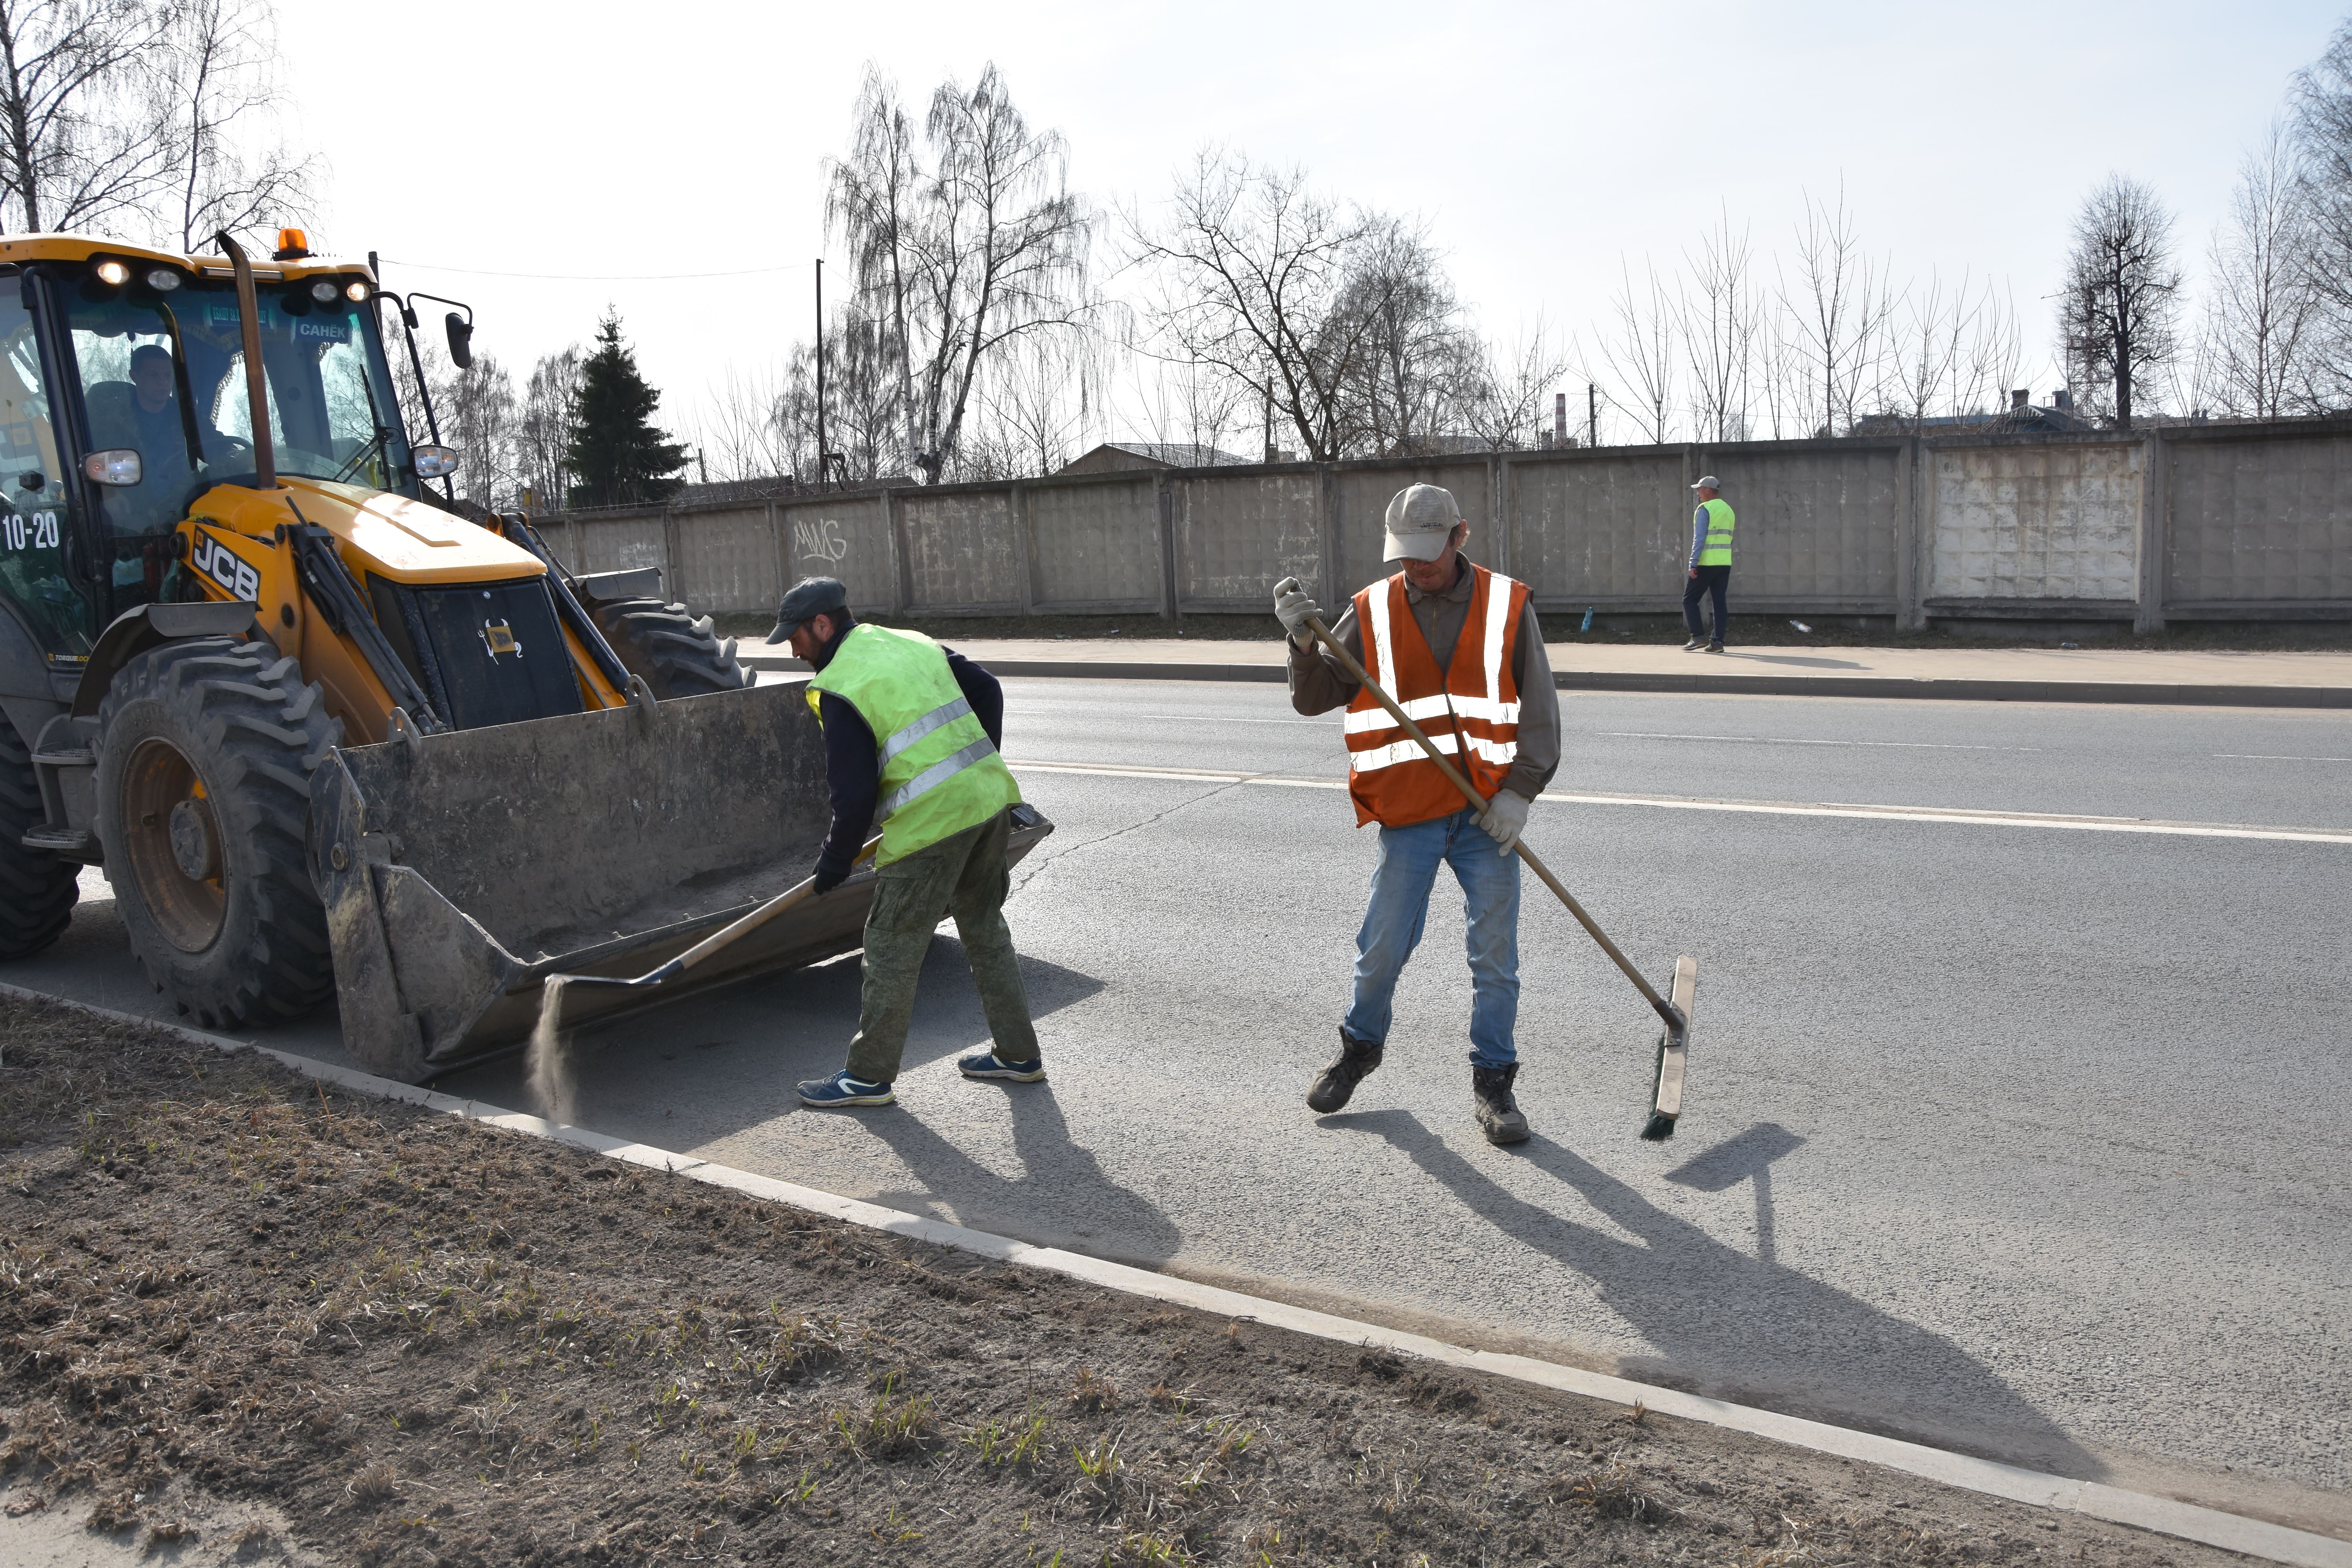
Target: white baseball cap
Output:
[
  {"x": 1708, "y": 483},
  {"x": 1420, "y": 521}
]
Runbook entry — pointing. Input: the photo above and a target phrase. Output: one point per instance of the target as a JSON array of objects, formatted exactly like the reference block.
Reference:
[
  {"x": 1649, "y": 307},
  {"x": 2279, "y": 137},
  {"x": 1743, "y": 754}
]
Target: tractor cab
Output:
[{"x": 124, "y": 397}]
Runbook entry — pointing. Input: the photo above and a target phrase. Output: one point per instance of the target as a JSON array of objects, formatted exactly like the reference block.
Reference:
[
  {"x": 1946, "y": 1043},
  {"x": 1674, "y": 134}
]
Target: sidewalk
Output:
[{"x": 1981, "y": 674}]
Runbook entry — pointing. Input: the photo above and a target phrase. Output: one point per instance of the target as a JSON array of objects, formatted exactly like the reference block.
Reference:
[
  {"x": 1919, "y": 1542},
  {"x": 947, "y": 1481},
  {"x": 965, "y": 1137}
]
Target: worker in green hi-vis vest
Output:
[
  {"x": 1710, "y": 563},
  {"x": 910, "y": 732}
]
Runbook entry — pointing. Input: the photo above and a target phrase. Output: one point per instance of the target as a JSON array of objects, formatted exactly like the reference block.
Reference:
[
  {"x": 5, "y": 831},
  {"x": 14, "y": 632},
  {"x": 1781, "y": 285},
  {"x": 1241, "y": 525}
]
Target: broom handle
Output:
[
  {"x": 1454, "y": 775},
  {"x": 761, "y": 916}
]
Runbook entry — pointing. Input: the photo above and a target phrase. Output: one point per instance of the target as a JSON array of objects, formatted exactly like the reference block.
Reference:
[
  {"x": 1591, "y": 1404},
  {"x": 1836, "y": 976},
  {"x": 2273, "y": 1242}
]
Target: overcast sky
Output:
[{"x": 1540, "y": 142}]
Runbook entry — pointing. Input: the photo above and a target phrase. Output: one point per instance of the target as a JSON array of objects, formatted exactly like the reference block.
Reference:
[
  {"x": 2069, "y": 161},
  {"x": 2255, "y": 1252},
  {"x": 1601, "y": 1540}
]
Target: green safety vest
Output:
[
  {"x": 1715, "y": 549},
  {"x": 939, "y": 774}
]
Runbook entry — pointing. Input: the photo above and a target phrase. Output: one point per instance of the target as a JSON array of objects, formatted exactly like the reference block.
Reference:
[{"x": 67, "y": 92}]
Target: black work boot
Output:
[
  {"x": 1498, "y": 1113},
  {"x": 1356, "y": 1058}
]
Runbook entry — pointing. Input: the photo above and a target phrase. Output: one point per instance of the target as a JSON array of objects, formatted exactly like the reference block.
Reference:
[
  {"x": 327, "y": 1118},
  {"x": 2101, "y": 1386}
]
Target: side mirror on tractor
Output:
[
  {"x": 434, "y": 462},
  {"x": 461, "y": 340}
]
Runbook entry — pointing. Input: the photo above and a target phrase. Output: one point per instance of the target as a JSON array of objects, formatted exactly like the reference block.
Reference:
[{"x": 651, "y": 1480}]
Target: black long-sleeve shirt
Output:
[{"x": 853, "y": 757}]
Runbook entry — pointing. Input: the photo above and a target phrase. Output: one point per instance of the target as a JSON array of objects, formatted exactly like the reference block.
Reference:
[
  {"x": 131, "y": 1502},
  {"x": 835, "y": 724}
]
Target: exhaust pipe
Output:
[{"x": 257, "y": 386}]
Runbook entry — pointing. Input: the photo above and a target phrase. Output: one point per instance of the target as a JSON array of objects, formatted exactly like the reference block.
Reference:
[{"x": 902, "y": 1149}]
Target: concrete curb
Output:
[
  {"x": 2160, "y": 693},
  {"x": 2112, "y": 1505}
]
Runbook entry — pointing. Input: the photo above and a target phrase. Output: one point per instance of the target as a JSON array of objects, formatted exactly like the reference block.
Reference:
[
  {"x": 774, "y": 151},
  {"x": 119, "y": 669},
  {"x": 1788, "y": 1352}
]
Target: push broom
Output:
[
  {"x": 1673, "y": 1045},
  {"x": 550, "y": 1002}
]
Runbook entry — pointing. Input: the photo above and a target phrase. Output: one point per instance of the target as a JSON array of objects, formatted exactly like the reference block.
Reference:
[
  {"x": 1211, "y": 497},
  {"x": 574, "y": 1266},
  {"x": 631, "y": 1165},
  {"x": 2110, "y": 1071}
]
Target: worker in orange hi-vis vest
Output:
[{"x": 1459, "y": 649}]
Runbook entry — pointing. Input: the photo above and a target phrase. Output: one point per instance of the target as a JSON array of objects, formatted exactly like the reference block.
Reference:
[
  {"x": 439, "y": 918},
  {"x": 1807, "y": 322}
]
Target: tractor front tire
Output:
[
  {"x": 204, "y": 797},
  {"x": 678, "y": 655},
  {"x": 37, "y": 889}
]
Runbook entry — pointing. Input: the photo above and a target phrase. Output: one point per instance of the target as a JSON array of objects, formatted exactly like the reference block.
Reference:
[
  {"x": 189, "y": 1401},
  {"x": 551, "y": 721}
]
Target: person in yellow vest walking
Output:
[
  {"x": 1459, "y": 649},
  {"x": 1710, "y": 563},
  {"x": 911, "y": 734}
]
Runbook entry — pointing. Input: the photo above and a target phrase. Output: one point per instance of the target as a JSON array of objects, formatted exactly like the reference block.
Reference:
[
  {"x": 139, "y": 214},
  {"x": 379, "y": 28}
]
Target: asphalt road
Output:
[{"x": 2004, "y": 1133}]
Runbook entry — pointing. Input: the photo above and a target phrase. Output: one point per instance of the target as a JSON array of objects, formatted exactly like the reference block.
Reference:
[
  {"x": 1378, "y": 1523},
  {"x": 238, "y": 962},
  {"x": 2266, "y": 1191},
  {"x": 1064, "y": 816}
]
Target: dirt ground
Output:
[
  {"x": 247, "y": 1319},
  {"x": 1746, "y": 631}
]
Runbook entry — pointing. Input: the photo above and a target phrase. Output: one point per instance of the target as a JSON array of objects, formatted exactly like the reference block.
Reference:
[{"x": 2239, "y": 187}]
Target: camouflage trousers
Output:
[{"x": 964, "y": 875}]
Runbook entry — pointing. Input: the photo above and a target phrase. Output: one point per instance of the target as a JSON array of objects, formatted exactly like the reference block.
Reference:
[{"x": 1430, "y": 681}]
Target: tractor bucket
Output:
[{"x": 460, "y": 870}]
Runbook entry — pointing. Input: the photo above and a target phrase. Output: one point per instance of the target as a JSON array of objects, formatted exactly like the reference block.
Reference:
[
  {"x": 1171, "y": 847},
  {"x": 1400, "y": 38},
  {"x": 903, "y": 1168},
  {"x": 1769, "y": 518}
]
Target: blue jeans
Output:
[{"x": 1402, "y": 881}]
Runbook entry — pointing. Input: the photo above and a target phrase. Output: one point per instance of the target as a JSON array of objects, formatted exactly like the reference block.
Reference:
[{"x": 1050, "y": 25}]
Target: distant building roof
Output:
[{"x": 1115, "y": 456}]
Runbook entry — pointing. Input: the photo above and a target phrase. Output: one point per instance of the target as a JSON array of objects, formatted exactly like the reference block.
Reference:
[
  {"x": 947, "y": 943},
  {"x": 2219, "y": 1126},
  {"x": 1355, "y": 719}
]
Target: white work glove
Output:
[
  {"x": 1294, "y": 608},
  {"x": 1505, "y": 816}
]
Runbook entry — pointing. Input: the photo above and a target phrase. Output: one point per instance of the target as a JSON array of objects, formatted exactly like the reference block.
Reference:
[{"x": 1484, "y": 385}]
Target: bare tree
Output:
[
  {"x": 550, "y": 408},
  {"x": 2121, "y": 295},
  {"x": 1640, "y": 353},
  {"x": 477, "y": 405},
  {"x": 85, "y": 128},
  {"x": 2320, "y": 120},
  {"x": 1249, "y": 275},
  {"x": 1414, "y": 369},
  {"x": 1507, "y": 404},
  {"x": 1836, "y": 309},
  {"x": 1715, "y": 314},
  {"x": 220, "y": 67},
  {"x": 2255, "y": 348},
  {"x": 875, "y": 199},
  {"x": 958, "y": 263}
]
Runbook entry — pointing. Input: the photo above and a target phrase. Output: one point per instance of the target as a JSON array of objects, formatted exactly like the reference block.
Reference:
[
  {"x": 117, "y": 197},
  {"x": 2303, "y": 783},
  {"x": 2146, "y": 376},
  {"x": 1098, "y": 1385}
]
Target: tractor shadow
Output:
[{"x": 1739, "y": 1327}]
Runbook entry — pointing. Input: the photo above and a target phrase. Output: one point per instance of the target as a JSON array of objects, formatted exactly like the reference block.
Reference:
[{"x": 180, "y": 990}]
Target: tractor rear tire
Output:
[
  {"x": 678, "y": 655},
  {"x": 203, "y": 801},
  {"x": 37, "y": 889}
]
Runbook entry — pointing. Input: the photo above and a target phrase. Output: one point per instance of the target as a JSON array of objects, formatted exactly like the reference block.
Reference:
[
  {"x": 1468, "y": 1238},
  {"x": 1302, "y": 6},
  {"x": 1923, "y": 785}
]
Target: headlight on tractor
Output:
[
  {"x": 432, "y": 462},
  {"x": 356, "y": 291},
  {"x": 118, "y": 467},
  {"x": 324, "y": 291},
  {"x": 113, "y": 274},
  {"x": 163, "y": 279}
]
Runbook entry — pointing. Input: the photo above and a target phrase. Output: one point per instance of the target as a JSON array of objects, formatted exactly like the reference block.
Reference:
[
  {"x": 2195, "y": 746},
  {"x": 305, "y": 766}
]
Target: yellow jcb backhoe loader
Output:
[{"x": 326, "y": 736}]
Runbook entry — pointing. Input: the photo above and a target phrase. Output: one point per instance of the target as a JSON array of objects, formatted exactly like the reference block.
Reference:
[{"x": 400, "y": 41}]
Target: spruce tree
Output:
[{"x": 615, "y": 455}]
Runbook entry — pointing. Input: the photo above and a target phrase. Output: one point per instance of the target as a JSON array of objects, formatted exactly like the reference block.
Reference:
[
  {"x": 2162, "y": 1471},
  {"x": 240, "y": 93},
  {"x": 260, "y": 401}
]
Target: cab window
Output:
[{"x": 33, "y": 514}]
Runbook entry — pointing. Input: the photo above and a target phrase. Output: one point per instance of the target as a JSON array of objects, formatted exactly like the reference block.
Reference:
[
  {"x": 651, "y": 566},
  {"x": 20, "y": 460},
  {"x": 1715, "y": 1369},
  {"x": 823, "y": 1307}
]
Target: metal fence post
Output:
[
  {"x": 1907, "y": 597},
  {"x": 674, "y": 558},
  {"x": 1170, "y": 607},
  {"x": 1025, "y": 546},
  {"x": 1326, "y": 476},
  {"x": 2155, "y": 532},
  {"x": 902, "y": 570}
]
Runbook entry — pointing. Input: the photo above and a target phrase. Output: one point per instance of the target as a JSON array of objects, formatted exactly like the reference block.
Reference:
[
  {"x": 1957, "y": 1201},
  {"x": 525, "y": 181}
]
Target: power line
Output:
[{"x": 594, "y": 278}]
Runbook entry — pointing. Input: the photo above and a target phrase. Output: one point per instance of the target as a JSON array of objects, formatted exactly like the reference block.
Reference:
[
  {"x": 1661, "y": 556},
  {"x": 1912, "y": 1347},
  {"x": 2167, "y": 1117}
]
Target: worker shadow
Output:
[
  {"x": 1062, "y": 1196},
  {"x": 1743, "y": 1157},
  {"x": 1736, "y": 1327},
  {"x": 1796, "y": 660}
]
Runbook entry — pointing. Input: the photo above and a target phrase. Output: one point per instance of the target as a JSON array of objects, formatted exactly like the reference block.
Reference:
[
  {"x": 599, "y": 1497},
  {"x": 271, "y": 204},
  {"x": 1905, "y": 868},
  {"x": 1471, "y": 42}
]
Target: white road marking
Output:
[
  {"x": 2252, "y": 757},
  {"x": 1792, "y": 741},
  {"x": 1962, "y": 815}
]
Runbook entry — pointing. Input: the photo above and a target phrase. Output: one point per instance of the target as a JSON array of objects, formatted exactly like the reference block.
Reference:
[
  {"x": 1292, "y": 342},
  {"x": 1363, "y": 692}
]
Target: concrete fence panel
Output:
[
  {"x": 726, "y": 560},
  {"x": 1239, "y": 535},
  {"x": 2259, "y": 521},
  {"x": 1606, "y": 527},
  {"x": 1365, "y": 490},
  {"x": 623, "y": 543},
  {"x": 1818, "y": 524},
  {"x": 1095, "y": 546},
  {"x": 847, "y": 537},
  {"x": 962, "y": 553},
  {"x": 2057, "y": 521}
]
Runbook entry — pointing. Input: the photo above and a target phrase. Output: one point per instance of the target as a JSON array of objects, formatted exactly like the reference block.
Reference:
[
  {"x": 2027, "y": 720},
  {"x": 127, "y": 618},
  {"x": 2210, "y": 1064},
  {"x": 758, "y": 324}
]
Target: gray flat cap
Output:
[
  {"x": 1420, "y": 521},
  {"x": 810, "y": 597}
]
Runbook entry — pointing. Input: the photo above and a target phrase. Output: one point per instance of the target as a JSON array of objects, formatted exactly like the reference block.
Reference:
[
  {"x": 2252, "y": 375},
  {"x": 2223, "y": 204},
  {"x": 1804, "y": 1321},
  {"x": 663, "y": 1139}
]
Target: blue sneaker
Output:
[
  {"x": 841, "y": 1092},
  {"x": 986, "y": 1065}
]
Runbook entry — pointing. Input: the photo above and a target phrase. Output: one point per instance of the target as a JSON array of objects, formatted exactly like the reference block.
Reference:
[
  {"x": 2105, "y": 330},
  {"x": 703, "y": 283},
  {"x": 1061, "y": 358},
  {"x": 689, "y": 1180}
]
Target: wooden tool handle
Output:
[
  {"x": 761, "y": 916},
  {"x": 1665, "y": 1009}
]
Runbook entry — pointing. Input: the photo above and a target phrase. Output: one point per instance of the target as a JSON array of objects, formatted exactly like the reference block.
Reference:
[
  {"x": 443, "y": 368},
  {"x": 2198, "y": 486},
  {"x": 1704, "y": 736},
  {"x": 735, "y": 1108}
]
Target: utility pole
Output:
[
  {"x": 821, "y": 465},
  {"x": 1591, "y": 414},
  {"x": 1559, "y": 418}
]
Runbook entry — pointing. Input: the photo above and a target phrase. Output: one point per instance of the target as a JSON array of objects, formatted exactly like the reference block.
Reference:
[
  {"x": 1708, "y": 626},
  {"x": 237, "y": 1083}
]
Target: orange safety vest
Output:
[{"x": 1470, "y": 710}]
